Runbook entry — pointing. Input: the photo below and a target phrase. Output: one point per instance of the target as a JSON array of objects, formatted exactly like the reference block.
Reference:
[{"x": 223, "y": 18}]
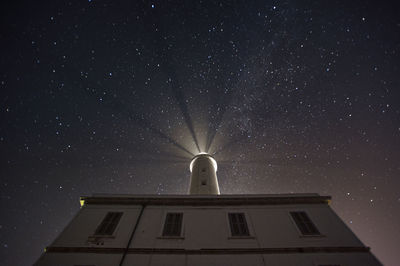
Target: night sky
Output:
[{"x": 117, "y": 97}]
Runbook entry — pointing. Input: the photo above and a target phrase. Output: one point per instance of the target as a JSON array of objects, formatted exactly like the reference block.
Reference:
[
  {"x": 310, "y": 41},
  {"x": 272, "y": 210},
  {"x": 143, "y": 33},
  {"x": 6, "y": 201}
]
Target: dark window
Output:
[
  {"x": 238, "y": 224},
  {"x": 304, "y": 223},
  {"x": 109, "y": 223},
  {"x": 173, "y": 224},
  {"x": 204, "y": 182},
  {"x": 203, "y": 170}
]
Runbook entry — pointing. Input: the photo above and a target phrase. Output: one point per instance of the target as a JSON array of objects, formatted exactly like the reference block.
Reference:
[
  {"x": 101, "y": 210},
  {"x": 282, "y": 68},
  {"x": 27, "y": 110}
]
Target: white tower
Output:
[{"x": 203, "y": 179}]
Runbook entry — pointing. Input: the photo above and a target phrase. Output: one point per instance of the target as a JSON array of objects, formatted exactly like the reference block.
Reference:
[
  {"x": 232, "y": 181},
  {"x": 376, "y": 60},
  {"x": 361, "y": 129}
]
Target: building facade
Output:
[{"x": 207, "y": 229}]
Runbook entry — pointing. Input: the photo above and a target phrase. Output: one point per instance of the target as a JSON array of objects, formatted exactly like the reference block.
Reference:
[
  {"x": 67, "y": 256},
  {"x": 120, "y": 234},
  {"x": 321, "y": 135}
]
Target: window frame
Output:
[
  {"x": 113, "y": 234},
  {"x": 298, "y": 228},
  {"x": 181, "y": 234},
  {"x": 248, "y": 223}
]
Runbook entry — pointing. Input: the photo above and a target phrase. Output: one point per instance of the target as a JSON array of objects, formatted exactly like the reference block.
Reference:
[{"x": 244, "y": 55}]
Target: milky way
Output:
[{"x": 290, "y": 97}]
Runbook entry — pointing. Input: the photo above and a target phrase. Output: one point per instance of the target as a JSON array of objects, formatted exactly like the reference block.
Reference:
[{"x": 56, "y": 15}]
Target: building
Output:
[{"x": 205, "y": 228}]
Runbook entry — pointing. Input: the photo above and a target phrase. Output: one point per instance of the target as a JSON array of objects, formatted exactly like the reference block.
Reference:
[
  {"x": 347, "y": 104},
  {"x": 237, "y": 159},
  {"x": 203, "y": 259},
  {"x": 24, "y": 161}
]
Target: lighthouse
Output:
[{"x": 203, "y": 175}]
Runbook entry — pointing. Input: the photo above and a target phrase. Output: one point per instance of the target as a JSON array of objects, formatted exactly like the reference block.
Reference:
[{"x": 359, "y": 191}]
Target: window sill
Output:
[
  {"x": 241, "y": 237},
  {"x": 312, "y": 236},
  {"x": 101, "y": 236},
  {"x": 170, "y": 237}
]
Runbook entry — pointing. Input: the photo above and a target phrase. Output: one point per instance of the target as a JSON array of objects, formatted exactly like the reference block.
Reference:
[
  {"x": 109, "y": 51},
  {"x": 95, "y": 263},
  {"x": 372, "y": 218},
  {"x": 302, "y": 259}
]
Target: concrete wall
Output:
[
  {"x": 271, "y": 226},
  {"x": 81, "y": 259},
  {"x": 83, "y": 226},
  {"x": 344, "y": 259}
]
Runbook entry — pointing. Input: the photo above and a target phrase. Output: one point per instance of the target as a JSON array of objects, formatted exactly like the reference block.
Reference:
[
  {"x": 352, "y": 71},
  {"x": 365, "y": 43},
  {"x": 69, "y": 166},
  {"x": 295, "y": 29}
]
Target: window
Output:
[
  {"x": 173, "y": 224},
  {"x": 109, "y": 223},
  {"x": 304, "y": 223},
  {"x": 203, "y": 182},
  {"x": 238, "y": 224}
]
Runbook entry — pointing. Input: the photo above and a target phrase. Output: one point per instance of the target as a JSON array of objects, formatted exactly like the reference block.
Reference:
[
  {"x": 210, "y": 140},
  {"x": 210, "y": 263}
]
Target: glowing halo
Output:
[{"x": 203, "y": 154}]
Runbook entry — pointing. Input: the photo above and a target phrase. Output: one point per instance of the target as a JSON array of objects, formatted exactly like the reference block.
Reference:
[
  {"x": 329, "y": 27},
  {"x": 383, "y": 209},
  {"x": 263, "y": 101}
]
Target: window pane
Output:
[
  {"x": 109, "y": 223},
  {"x": 173, "y": 224},
  {"x": 238, "y": 224},
  {"x": 304, "y": 223}
]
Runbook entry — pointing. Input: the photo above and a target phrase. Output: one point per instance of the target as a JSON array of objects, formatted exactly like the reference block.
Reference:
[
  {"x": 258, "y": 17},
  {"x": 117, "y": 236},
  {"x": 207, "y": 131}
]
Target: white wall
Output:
[
  {"x": 270, "y": 227},
  {"x": 207, "y": 227},
  {"x": 77, "y": 233},
  {"x": 347, "y": 259},
  {"x": 71, "y": 259},
  {"x": 342, "y": 259}
]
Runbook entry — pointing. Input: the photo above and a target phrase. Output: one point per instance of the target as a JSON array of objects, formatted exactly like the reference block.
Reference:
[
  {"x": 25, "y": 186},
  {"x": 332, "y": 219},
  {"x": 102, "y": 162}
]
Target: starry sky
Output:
[{"x": 117, "y": 97}]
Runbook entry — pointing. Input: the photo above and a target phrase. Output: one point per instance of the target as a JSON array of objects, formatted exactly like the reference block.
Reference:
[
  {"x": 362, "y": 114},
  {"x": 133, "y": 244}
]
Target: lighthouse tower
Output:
[{"x": 203, "y": 178}]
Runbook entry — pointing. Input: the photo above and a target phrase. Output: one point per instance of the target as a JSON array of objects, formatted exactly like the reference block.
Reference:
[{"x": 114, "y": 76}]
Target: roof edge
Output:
[{"x": 205, "y": 200}]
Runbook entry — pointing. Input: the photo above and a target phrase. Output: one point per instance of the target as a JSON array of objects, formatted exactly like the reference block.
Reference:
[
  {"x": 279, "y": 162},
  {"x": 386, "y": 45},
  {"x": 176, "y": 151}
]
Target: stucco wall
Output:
[
  {"x": 270, "y": 226},
  {"x": 84, "y": 224},
  {"x": 207, "y": 227},
  {"x": 348, "y": 259}
]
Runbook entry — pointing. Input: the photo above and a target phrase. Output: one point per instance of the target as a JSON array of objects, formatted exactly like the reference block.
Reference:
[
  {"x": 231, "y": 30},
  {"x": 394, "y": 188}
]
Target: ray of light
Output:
[
  {"x": 143, "y": 123},
  {"x": 146, "y": 125},
  {"x": 214, "y": 125},
  {"x": 178, "y": 95},
  {"x": 230, "y": 143},
  {"x": 167, "y": 67}
]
